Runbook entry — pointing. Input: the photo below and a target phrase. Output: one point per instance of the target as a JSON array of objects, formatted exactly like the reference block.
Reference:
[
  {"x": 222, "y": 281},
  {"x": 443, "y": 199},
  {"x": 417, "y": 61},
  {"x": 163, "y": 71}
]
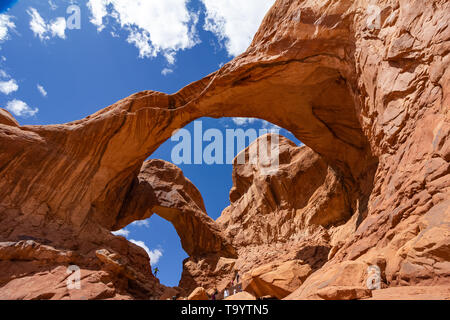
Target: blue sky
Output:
[{"x": 50, "y": 73}]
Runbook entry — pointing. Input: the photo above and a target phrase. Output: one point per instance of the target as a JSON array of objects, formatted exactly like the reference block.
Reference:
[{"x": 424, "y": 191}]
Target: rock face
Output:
[
  {"x": 368, "y": 93},
  {"x": 198, "y": 294},
  {"x": 302, "y": 192},
  {"x": 413, "y": 293},
  {"x": 278, "y": 223},
  {"x": 162, "y": 188},
  {"x": 346, "y": 280},
  {"x": 241, "y": 296},
  {"x": 274, "y": 280}
]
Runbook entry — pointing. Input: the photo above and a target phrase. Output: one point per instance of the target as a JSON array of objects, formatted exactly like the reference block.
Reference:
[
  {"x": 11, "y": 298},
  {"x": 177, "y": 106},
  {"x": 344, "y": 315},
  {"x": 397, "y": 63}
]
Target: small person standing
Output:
[{"x": 156, "y": 271}]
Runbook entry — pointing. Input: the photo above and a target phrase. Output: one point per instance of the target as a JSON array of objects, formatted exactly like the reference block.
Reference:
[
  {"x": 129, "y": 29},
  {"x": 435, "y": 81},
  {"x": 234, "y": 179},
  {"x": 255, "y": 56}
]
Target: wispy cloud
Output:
[
  {"x": 154, "y": 255},
  {"x": 6, "y": 25},
  {"x": 257, "y": 123},
  {"x": 44, "y": 30},
  {"x": 141, "y": 223},
  {"x": 235, "y": 21},
  {"x": 123, "y": 232},
  {"x": 42, "y": 90},
  {"x": 153, "y": 26},
  {"x": 166, "y": 71},
  {"x": 243, "y": 121},
  {"x": 20, "y": 108}
]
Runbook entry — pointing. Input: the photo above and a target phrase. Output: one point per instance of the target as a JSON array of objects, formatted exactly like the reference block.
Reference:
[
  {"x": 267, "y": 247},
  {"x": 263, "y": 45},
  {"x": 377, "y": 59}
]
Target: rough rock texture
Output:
[
  {"x": 241, "y": 296},
  {"x": 274, "y": 280},
  {"x": 370, "y": 96},
  {"x": 346, "y": 279},
  {"x": 198, "y": 294},
  {"x": 31, "y": 270},
  {"x": 412, "y": 293},
  {"x": 42, "y": 249},
  {"x": 162, "y": 188},
  {"x": 344, "y": 293},
  {"x": 7, "y": 119},
  {"x": 302, "y": 192},
  {"x": 277, "y": 222}
]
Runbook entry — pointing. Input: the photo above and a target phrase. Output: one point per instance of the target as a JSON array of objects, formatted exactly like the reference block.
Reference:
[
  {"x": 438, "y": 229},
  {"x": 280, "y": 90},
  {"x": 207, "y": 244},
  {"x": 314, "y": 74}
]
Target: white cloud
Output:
[
  {"x": 154, "y": 255},
  {"x": 123, "y": 232},
  {"x": 166, "y": 71},
  {"x": 141, "y": 223},
  {"x": 98, "y": 12},
  {"x": 5, "y": 26},
  {"x": 42, "y": 90},
  {"x": 154, "y": 26},
  {"x": 8, "y": 87},
  {"x": 58, "y": 27},
  {"x": 170, "y": 57},
  {"x": 235, "y": 21},
  {"x": 37, "y": 23},
  {"x": 256, "y": 123},
  {"x": 20, "y": 108},
  {"x": 243, "y": 121},
  {"x": 43, "y": 30},
  {"x": 270, "y": 126}
]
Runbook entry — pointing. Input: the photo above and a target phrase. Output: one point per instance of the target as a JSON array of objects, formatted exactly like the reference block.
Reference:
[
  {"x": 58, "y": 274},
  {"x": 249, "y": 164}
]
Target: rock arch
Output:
[
  {"x": 161, "y": 188},
  {"x": 372, "y": 102},
  {"x": 104, "y": 152}
]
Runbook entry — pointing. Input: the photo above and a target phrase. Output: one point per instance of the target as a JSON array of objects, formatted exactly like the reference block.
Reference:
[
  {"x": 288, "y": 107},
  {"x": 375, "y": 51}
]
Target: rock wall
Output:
[{"x": 369, "y": 96}]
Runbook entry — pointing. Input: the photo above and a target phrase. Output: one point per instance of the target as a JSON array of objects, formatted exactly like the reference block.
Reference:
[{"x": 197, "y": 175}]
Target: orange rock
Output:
[
  {"x": 7, "y": 119},
  {"x": 241, "y": 296},
  {"x": 369, "y": 100},
  {"x": 198, "y": 294},
  {"x": 344, "y": 293},
  {"x": 335, "y": 281},
  {"x": 276, "y": 280},
  {"x": 412, "y": 293}
]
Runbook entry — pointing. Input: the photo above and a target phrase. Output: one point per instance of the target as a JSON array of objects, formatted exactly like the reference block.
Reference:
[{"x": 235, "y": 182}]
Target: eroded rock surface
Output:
[
  {"x": 162, "y": 188},
  {"x": 370, "y": 97}
]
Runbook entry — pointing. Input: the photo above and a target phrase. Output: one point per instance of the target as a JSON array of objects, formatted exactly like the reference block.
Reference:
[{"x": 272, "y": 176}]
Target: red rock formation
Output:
[
  {"x": 276, "y": 281},
  {"x": 277, "y": 220},
  {"x": 198, "y": 294},
  {"x": 370, "y": 99},
  {"x": 162, "y": 188},
  {"x": 241, "y": 296},
  {"x": 413, "y": 293}
]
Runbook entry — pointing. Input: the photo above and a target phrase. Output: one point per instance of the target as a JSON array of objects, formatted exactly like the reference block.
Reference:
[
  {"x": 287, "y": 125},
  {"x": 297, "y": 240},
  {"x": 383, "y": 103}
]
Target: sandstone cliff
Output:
[{"x": 369, "y": 97}]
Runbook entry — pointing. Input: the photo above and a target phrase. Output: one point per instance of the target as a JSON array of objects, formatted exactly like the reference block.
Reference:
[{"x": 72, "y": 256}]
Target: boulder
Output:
[
  {"x": 344, "y": 293},
  {"x": 276, "y": 280},
  {"x": 346, "y": 280},
  {"x": 199, "y": 294},
  {"x": 240, "y": 296}
]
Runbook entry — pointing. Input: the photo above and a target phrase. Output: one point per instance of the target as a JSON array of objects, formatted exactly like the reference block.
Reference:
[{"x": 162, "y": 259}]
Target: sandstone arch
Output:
[
  {"x": 316, "y": 78},
  {"x": 372, "y": 102},
  {"x": 161, "y": 188}
]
